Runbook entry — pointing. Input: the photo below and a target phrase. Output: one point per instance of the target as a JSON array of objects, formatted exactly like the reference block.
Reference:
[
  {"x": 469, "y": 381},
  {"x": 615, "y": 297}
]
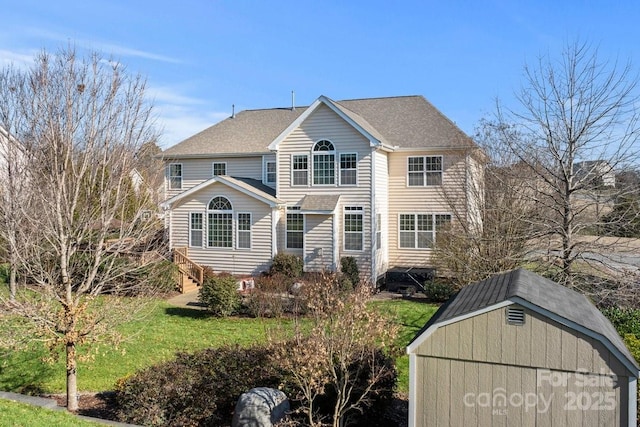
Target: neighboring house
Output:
[
  {"x": 595, "y": 173},
  {"x": 518, "y": 349},
  {"x": 365, "y": 178}
]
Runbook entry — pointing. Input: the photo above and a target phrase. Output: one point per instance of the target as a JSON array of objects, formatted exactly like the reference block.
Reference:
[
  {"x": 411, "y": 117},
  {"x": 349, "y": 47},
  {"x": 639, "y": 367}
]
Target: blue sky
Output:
[{"x": 200, "y": 57}]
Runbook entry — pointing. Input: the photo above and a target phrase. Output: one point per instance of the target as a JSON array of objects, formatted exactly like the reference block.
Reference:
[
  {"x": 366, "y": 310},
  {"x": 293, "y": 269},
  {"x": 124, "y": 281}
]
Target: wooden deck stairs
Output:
[{"x": 190, "y": 274}]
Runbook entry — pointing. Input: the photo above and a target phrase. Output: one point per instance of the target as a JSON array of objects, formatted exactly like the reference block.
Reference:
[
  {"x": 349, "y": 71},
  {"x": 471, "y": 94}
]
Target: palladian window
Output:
[
  {"x": 324, "y": 163},
  {"x": 220, "y": 223}
]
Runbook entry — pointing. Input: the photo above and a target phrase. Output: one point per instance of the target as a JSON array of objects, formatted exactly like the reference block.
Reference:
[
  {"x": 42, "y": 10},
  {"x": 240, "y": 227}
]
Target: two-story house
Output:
[{"x": 373, "y": 179}]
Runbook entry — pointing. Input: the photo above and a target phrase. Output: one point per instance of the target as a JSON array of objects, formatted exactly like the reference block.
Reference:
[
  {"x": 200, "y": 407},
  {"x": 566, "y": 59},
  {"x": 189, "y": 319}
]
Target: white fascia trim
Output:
[
  {"x": 210, "y": 155},
  {"x": 413, "y": 392},
  {"x": 329, "y": 103},
  {"x": 418, "y": 341},
  {"x": 334, "y": 243},
  {"x": 588, "y": 332}
]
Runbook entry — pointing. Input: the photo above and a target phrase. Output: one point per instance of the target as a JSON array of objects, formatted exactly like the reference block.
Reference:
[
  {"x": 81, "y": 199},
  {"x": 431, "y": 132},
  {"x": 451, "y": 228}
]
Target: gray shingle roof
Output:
[
  {"x": 319, "y": 203},
  {"x": 404, "y": 121},
  {"x": 536, "y": 290}
]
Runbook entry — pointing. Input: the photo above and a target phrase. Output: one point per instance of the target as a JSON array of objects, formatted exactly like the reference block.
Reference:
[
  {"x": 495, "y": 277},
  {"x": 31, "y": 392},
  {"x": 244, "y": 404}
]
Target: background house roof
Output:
[
  {"x": 404, "y": 121},
  {"x": 536, "y": 290}
]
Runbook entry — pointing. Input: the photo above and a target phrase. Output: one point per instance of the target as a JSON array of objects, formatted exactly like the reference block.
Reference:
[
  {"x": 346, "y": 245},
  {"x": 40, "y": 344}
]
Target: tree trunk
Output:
[
  {"x": 72, "y": 385},
  {"x": 13, "y": 287}
]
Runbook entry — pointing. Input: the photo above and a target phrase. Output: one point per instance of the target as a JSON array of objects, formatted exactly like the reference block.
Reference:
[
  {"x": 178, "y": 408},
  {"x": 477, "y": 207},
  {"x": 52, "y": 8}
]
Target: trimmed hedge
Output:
[{"x": 220, "y": 295}]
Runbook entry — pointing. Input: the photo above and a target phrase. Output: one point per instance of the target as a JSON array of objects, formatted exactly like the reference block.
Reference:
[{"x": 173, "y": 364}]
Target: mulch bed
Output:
[{"x": 102, "y": 405}]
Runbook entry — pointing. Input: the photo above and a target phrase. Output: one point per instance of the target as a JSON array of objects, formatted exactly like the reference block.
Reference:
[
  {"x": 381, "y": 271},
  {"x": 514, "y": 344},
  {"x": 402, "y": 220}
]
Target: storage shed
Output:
[{"x": 519, "y": 349}]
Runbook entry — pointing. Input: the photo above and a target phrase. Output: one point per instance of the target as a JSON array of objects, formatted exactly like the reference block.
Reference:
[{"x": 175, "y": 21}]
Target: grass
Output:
[
  {"x": 167, "y": 330},
  {"x": 15, "y": 414}
]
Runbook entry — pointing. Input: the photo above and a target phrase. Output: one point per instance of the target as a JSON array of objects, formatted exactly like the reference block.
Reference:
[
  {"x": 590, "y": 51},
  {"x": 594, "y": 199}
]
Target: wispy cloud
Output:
[
  {"x": 181, "y": 116},
  {"x": 102, "y": 46},
  {"x": 16, "y": 58}
]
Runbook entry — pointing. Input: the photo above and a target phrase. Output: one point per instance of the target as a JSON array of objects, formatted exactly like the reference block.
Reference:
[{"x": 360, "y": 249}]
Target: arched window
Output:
[
  {"x": 220, "y": 223},
  {"x": 324, "y": 163}
]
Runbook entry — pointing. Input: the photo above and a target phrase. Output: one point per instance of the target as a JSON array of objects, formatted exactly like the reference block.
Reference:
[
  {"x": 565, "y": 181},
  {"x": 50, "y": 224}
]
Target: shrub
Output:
[
  {"x": 4, "y": 273},
  {"x": 195, "y": 389},
  {"x": 270, "y": 298},
  {"x": 437, "y": 291},
  {"x": 625, "y": 320},
  {"x": 287, "y": 264},
  {"x": 220, "y": 295},
  {"x": 350, "y": 272}
]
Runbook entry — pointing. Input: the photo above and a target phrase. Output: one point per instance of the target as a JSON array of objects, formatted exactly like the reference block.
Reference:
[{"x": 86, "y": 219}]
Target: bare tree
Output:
[
  {"x": 340, "y": 351},
  {"x": 82, "y": 120},
  {"x": 578, "y": 117},
  {"x": 465, "y": 252}
]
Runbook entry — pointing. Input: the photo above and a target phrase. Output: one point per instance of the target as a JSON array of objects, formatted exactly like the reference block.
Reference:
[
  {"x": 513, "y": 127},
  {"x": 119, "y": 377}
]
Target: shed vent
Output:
[{"x": 515, "y": 316}]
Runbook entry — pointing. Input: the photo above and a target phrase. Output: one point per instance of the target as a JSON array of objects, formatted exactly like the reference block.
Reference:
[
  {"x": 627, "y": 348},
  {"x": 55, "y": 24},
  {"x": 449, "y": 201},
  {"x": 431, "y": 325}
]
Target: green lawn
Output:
[
  {"x": 164, "y": 332},
  {"x": 16, "y": 414}
]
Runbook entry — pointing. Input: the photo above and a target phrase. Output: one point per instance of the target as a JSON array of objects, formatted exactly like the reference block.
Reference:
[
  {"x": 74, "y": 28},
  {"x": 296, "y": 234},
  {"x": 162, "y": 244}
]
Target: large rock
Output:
[{"x": 260, "y": 407}]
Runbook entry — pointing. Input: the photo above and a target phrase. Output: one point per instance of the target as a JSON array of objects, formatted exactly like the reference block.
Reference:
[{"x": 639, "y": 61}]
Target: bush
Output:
[
  {"x": 287, "y": 264},
  {"x": 350, "y": 272},
  {"x": 195, "y": 389},
  {"x": 270, "y": 298},
  {"x": 437, "y": 291},
  {"x": 625, "y": 320},
  {"x": 220, "y": 295},
  {"x": 4, "y": 273}
]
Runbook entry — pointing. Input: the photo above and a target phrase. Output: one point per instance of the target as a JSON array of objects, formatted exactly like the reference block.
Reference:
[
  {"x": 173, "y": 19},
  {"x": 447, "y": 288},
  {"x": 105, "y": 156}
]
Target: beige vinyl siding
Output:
[
  {"x": 448, "y": 198},
  {"x": 484, "y": 354},
  {"x": 325, "y": 124},
  {"x": 195, "y": 171},
  {"x": 318, "y": 244},
  {"x": 232, "y": 260},
  {"x": 381, "y": 202}
]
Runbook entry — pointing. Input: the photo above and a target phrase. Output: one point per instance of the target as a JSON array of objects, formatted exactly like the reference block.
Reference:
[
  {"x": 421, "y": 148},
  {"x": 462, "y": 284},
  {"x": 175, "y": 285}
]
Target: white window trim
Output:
[
  {"x": 424, "y": 172},
  {"x": 213, "y": 166},
  {"x": 352, "y": 210},
  {"x": 209, "y": 211},
  {"x": 310, "y": 164},
  {"x": 293, "y": 184},
  {"x": 286, "y": 227},
  {"x": 265, "y": 168},
  {"x": 340, "y": 169},
  {"x": 238, "y": 231},
  {"x": 169, "y": 176},
  {"x": 202, "y": 230},
  {"x": 415, "y": 232}
]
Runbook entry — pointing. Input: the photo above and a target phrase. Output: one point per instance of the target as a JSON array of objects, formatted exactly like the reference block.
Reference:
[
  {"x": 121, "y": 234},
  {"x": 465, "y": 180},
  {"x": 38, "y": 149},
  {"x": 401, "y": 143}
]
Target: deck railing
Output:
[{"x": 187, "y": 266}]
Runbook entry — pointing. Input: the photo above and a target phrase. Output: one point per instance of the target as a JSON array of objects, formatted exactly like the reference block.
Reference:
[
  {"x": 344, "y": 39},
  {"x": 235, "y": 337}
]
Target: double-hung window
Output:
[
  {"x": 219, "y": 168},
  {"x": 244, "y": 230},
  {"x": 353, "y": 228},
  {"x": 270, "y": 172},
  {"x": 175, "y": 176},
  {"x": 418, "y": 231},
  {"x": 324, "y": 163},
  {"x": 348, "y": 168},
  {"x": 295, "y": 230},
  {"x": 196, "y": 227},
  {"x": 220, "y": 223},
  {"x": 300, "y": 169},
  {"x": 424, "y": 170}
]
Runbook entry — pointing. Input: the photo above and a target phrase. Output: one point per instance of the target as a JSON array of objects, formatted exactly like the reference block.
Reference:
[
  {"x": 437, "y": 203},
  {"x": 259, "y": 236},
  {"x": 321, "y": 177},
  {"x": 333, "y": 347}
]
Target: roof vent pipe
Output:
[
  {"x": 233, "y": 111},
  {"x": 293, "y": 101}
]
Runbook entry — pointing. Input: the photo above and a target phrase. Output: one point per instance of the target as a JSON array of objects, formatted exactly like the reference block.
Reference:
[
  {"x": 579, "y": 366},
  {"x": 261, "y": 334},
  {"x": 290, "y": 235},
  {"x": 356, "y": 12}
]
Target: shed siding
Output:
[
  {"x": 232, "y": 260},
  {"x": 428, "y": 199},
  {"x": 325, "y": 124},
  {"x": 540, "y": 342},
  {"x": 460, "y": 392}
]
